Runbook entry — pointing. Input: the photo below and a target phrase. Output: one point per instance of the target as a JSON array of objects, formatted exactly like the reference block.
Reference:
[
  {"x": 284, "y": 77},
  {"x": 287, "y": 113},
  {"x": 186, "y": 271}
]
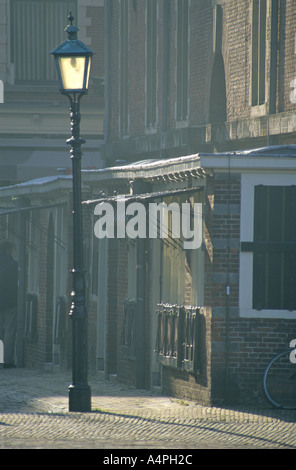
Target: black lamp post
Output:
[{"x": 73, "y": 60}]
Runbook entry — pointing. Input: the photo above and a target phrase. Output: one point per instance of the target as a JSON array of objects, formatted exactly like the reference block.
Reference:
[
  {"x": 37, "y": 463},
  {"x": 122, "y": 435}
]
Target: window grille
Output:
[
  {"x": 37, "y": 26},
  {"x": 178, "y": 342}
]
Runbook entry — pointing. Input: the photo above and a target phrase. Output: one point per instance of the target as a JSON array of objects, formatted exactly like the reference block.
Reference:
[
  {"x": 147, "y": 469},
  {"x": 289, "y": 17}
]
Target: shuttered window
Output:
[
  {"x": 274, "y": 248},
  {"x": 37, "y": 26}
]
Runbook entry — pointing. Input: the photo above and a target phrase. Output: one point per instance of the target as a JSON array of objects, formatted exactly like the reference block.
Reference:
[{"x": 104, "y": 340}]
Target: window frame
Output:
[
  {"x": 38, "y": 68},
  {"x": 248, "y": 183}
]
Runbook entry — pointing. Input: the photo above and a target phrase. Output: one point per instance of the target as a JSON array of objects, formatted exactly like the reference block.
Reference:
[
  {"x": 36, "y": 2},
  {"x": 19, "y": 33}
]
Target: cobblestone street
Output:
[{"x": 34, "y": 415}]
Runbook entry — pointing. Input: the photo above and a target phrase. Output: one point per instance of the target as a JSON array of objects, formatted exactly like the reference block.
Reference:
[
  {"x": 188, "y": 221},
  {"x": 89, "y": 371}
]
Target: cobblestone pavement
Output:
[{"x": 34, "y": 415}]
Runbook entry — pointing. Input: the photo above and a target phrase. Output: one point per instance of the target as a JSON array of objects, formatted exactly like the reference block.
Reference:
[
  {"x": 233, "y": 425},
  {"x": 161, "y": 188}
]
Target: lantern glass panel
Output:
[
  {"x": 88, "y": 72},
  {"x": 72, "y": 72}
]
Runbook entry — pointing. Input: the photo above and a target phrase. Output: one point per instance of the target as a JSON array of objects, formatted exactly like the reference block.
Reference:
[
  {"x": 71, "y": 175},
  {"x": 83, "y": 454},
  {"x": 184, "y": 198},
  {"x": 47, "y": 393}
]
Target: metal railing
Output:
[{"x": 178, "y": 336}]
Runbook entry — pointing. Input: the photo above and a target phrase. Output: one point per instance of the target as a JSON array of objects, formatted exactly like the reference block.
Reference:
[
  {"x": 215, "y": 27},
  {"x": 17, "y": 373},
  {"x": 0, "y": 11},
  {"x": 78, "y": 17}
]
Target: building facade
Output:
[
  {"x": 188, "y": 86},
  {"x": 201, "y": 321},
  {"x": 190, "y": 76},
  {"x": 34, "y": 116}
]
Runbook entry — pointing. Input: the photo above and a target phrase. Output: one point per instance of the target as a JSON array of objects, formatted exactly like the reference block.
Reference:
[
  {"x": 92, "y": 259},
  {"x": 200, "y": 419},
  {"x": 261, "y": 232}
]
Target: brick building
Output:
[
  {"x": 34, "y": 117},
  {"x": 189, "y": 76},
  {"x": 188, "y": 86},
  {"x": 35, "y": 123},
  {"x": 199, "y": 78},
  {"x": 203, "y": 322}
]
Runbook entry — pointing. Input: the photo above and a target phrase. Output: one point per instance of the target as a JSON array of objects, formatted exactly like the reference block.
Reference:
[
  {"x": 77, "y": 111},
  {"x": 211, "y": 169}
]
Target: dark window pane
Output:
[{"x": 274, "y": 261}]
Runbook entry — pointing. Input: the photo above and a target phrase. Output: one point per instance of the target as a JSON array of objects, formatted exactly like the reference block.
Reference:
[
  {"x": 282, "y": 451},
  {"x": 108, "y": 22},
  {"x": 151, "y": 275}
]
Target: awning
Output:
[{"x": 146, "y": 196}]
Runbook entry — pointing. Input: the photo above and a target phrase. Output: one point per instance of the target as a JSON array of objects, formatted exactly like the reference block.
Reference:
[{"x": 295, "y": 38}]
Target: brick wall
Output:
[
  {"x": 200, "y": 19},
  {"x": 186, "y": 385},
  {"x": 251, "y": 342},
  {"x": 236, "y": 349},
  {"x": 237, "y": 58}
]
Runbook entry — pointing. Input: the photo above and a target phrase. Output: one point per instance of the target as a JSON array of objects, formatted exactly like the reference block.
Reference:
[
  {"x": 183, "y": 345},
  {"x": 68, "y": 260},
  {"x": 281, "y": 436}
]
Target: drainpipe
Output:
[{"x": 227, "y": 292}]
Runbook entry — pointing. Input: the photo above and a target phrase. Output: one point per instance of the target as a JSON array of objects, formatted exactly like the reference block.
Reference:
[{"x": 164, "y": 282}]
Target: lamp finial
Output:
[{"x": 71, "y": 29}]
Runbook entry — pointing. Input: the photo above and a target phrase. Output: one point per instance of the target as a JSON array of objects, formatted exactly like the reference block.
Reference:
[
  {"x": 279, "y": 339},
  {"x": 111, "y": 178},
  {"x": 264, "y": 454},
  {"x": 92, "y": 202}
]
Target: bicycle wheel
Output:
[{"x": 279, "y": 381}]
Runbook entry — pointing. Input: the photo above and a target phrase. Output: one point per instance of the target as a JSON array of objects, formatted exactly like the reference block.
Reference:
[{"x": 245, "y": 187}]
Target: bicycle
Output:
[{"x": 279, "y": 379}]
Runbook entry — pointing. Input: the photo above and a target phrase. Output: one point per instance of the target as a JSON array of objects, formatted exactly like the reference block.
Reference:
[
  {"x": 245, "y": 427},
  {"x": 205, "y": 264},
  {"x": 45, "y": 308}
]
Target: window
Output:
[
  {"x": 274, "y": 248},
  {"x": 258, "y": 51},
  {"x": 124, "y": 66},
  {"x": 182, "y": 60},
  {"x": 173, "y": 271},
  {"x": 218, "y": 107},
  {"x": 181, "y": 280},
  {"x": 151, "y": 62},
  {"x": 268, "y": 260},
  {"x": 37, "y": 26}
]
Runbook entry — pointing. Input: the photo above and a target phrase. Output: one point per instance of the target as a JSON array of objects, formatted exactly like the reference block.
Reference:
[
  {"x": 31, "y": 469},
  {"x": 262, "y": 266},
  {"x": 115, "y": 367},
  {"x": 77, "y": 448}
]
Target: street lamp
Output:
[{"x": 73, "y": 61}]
